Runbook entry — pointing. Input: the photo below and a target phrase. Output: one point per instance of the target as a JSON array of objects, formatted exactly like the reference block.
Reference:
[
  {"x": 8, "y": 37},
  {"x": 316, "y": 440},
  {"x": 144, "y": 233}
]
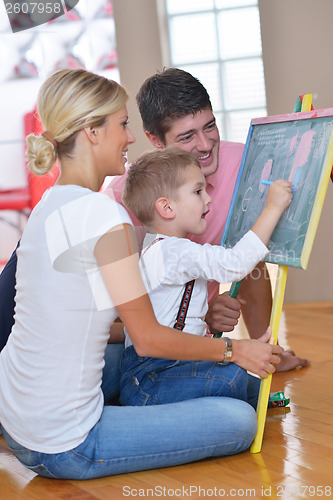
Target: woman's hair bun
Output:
[{"x": 40, "y": 154}]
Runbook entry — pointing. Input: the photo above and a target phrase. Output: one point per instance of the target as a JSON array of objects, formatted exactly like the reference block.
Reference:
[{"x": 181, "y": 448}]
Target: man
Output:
[{"x": 176, "y": 110}]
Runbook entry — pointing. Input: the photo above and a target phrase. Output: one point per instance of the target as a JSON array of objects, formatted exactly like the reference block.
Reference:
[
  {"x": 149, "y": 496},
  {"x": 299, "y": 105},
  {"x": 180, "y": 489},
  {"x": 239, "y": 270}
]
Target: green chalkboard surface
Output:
[{"x": 297, "y": 147}]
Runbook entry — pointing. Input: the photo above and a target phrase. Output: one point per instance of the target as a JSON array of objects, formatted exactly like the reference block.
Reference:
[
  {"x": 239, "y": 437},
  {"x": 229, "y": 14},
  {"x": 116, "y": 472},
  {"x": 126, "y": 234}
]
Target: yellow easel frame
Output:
[{"x": 281, "y": 285}]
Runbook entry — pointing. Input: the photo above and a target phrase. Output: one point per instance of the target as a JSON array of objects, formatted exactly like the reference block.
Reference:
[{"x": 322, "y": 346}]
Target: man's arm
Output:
[
  {"x": 254, "y": 300},
  {"x": 116, "y": 332},
  {"x": 255, "y": 293}
]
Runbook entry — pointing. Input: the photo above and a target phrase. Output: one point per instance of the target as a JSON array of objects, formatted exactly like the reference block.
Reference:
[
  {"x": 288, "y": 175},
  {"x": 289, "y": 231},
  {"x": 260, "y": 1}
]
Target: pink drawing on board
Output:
[
  {"x": 266, "y": 172},
  {"x": 302, "y": 155}
]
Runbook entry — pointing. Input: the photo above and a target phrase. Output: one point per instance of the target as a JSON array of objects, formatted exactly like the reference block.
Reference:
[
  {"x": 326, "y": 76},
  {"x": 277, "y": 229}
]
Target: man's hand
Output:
[{"x": 223, "y": 313}]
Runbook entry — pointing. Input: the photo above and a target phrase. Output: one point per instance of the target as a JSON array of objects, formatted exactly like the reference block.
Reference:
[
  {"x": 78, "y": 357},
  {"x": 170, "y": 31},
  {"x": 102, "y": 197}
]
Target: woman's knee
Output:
[{"x": 233, "y": 416}]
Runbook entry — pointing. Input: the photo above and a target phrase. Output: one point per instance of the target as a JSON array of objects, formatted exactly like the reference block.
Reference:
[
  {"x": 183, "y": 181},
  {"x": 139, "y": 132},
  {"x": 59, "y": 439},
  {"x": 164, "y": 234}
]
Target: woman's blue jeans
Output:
[
  {"x": 128, "y": 439},
  {"x": 155, "y": 381}
]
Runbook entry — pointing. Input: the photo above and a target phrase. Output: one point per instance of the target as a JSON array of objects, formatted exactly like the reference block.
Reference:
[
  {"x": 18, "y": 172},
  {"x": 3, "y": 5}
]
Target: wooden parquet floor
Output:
[{"x": 296, "y": 460}]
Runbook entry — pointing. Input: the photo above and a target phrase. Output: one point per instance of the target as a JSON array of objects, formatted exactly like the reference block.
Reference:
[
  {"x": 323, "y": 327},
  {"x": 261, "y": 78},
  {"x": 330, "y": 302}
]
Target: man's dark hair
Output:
[{"x": 167, "y": 95}]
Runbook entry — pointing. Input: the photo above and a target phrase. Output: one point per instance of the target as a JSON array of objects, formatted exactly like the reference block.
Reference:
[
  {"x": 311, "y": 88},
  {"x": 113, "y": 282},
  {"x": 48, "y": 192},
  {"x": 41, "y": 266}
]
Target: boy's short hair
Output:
[
  {"x": 153, "y": 175},
  {"x": 168, "y": 95}
]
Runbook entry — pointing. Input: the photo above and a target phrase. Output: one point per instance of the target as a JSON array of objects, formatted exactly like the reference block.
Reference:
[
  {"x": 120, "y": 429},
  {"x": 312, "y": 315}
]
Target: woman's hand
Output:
[{"x": 257, "y": 356}]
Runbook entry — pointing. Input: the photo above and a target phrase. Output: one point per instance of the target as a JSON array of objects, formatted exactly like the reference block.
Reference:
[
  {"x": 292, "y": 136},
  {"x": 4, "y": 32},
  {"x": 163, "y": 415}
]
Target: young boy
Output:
[{"x": 166, "y": 190}]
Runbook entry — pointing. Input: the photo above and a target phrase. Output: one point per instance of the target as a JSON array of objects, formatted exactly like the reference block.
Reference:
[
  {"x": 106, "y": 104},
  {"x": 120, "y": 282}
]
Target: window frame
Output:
[{"x": 225, "y": 115}]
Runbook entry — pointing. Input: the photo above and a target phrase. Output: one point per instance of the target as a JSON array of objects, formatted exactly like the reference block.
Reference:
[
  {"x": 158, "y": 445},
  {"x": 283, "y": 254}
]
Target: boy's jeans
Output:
[{"x": 154, "y": 381}]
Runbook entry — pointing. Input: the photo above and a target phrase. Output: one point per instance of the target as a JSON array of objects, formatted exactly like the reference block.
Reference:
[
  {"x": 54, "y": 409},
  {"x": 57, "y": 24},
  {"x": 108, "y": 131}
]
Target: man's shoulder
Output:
[
  {"x": 230, "y": 155},
  {"x": 116, "y": 184},
  {"x": 232, "y": 147},
  {"x": 114, "y": 189}
]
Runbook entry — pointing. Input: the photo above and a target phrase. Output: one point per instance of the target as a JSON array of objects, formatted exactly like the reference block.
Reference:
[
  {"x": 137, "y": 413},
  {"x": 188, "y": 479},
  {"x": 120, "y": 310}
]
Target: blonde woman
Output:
[{"x": 77, "y": 272}]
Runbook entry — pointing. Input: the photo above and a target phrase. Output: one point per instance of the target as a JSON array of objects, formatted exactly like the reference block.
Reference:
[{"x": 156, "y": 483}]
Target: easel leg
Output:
[{"x": 266, "y": 382}]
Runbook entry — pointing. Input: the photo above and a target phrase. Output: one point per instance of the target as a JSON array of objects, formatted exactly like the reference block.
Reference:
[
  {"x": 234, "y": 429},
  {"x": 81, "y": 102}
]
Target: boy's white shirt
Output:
[{"x": 168, "y": 263}]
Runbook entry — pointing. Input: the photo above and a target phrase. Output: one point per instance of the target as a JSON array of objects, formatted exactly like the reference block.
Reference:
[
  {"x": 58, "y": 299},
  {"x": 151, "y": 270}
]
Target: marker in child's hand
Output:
[{"x": 268, "y": 183}]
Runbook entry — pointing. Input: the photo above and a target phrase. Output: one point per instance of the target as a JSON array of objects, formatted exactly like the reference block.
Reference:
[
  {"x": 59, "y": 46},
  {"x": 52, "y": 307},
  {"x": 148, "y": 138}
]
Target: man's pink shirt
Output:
[{"x": 220, "y": 186}]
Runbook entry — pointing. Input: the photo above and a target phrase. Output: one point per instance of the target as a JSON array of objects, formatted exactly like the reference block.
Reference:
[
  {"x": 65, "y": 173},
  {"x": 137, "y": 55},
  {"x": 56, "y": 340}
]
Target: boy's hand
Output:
[{"x": 279, "y": 195}]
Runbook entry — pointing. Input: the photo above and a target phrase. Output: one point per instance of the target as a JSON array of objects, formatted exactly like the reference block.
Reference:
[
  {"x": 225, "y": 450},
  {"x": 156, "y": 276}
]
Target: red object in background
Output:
[
  {"x": 24, "y": 199},
  {"x": 38, "y": 183}
]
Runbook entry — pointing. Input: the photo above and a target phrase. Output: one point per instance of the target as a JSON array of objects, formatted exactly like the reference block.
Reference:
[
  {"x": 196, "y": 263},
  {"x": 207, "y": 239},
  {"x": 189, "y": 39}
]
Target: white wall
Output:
[
  {"x": 297, "y": 40},
  {"x": 139, "y": 55}
]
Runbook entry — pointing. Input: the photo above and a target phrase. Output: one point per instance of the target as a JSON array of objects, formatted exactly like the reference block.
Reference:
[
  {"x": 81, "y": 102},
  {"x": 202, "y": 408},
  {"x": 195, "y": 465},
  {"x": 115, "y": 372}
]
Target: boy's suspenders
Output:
[{"x": 185, "y": 302}]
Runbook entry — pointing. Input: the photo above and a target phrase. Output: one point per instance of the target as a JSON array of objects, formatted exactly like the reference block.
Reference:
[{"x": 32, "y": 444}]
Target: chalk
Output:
[
  {"x": 297, "y": 176},
  {"x": 268, "y": 183},
  {"x": 307, "y": 102},
  {"x": 298, "y": 104}
]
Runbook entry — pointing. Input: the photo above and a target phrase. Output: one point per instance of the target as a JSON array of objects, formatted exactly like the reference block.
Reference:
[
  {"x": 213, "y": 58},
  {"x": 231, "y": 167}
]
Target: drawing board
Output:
[{"x": 297, "y": 147}]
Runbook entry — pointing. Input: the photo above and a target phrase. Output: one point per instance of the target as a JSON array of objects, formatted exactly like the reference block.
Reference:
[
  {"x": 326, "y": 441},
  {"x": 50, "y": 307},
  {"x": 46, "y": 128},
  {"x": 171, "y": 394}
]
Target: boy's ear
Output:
[
  {"x": 155, "y": 140},
  {"x": 164, "y": 208}
]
